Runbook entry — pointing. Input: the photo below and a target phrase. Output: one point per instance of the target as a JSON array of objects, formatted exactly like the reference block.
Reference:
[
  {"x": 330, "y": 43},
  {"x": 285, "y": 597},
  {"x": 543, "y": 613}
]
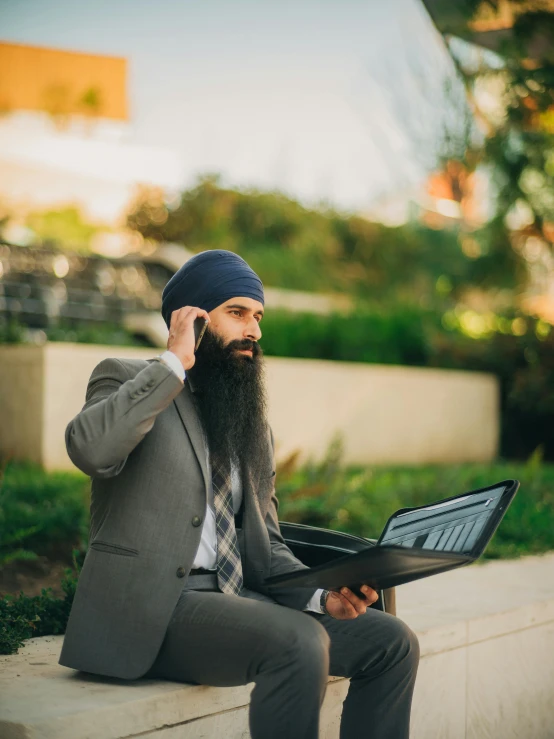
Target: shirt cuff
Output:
[
  {"x": 174, "y": 363},
  {"x": 314, "y": 602}
]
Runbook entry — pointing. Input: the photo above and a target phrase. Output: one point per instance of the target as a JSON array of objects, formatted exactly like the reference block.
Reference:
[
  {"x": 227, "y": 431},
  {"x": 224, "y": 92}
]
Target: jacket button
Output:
[
  {"x": 181, "y": 572},
  {"x": 196, "y": 521}
]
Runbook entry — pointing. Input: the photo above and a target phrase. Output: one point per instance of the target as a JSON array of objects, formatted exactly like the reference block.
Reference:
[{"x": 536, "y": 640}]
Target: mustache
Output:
[{"x": 245, "y": 344}]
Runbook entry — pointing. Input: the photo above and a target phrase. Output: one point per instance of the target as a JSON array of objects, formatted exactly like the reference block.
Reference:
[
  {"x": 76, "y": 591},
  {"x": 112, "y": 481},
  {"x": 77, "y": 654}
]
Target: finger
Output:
[
  {"x": 178, "y": 314},
  {"x": 203, "y": 314},
  {"x": 347, "y": 607},
  {"x": 358, "y": 603},
  {"x": 191, "y": 313},
  {"x": 371, "y": 594}
]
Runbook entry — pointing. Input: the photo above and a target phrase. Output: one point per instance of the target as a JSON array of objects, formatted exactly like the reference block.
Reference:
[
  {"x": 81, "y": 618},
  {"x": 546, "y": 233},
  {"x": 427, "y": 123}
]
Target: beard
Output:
[{"x": 229, "y": 393}]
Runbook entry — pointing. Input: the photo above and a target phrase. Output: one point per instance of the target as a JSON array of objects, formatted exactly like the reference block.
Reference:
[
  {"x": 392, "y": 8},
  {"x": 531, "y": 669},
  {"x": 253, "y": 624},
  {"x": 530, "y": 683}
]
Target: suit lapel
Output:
[{"x": 191, "y": 422}]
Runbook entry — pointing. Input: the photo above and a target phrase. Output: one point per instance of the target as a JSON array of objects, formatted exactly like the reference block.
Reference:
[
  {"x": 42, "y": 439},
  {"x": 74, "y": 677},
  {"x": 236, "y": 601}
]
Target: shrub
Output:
[
  {"x": 525, "y": 367},
  {"x": 401, "y": 336},
  {"x": 305, "y": 248},
  {"x": 23, "y": 617},
  {"x": 13, "y": 332},
  {"x": 360, "y": 500},
  {"x": 41, "y": 513}
]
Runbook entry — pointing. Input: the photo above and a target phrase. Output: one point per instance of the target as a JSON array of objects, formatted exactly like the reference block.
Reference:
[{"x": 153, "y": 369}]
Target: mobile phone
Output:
[{"x": 200, "y": 326}]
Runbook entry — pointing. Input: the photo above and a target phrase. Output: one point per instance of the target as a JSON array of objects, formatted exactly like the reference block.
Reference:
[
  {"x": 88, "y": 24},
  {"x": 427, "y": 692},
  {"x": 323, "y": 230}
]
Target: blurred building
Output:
[
  {"x": 66, "y": 137},
  {"x": 62, "y": 83},
  {"x": 449, "y": 197}
]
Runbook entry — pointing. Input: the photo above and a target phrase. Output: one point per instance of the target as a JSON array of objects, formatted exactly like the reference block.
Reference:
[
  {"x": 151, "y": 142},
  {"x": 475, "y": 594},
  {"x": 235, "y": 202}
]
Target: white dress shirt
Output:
[{"x": 206, "y": 555}]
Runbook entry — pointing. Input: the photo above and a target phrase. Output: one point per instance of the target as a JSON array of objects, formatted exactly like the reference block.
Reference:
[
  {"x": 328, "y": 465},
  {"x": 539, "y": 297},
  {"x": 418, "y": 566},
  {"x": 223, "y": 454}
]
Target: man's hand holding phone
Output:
[{"x": 183, "y": 340}]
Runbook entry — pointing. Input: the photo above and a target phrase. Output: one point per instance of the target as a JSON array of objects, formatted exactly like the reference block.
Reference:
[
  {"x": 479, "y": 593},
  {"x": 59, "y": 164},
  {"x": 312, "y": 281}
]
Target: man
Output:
[{"x": 184, "y": 532}]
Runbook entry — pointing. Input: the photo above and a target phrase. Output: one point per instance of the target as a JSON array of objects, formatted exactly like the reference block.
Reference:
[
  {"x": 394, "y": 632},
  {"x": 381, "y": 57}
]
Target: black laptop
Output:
[{"x": 415, "y": 543}]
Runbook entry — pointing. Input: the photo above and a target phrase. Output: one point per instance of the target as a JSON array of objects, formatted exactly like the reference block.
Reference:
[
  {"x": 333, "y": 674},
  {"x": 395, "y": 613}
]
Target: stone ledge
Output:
[
  {"x": 480, "y": 602},
  {"x": 453, "y": 614},
  {"x": 43, "y": 700}
]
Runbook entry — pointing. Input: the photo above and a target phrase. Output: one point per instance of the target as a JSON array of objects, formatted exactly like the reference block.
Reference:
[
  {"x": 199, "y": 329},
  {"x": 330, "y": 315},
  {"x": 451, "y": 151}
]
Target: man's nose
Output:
[{"x": 253, "y": 331}]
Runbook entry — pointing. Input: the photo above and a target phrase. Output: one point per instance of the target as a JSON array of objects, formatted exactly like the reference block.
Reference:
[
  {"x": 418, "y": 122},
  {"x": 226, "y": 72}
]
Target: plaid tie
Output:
[{"x": 229, "y": 567}]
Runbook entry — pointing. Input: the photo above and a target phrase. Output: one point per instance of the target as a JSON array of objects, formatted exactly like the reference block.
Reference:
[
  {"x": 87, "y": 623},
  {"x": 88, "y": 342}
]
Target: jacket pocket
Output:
[{"x": 104, "y": 546}]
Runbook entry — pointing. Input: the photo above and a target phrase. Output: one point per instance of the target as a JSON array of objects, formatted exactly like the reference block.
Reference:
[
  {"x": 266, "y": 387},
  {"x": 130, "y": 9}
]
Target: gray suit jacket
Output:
[{"x": 139, "y": 438}]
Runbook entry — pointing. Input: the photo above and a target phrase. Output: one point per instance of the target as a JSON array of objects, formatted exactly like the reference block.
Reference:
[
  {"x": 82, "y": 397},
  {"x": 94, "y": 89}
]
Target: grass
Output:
[
  {"x": 359, "y": 500},
  {"x": 47, "y": 513},
  {"x": 41, "y": 513}
]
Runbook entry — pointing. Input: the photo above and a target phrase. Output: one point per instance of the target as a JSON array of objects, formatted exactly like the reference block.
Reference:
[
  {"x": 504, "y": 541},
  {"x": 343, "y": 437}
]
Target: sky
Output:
[{"x": 326, "y": 100}]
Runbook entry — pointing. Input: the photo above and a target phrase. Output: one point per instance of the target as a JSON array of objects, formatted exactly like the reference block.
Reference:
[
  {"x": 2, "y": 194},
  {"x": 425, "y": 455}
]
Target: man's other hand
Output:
[{"x": 346, "y": 604}]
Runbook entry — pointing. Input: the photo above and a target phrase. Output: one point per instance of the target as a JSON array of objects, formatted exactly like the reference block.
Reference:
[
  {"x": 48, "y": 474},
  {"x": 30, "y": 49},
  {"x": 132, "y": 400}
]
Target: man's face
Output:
[{"x": 237, "y": 323}]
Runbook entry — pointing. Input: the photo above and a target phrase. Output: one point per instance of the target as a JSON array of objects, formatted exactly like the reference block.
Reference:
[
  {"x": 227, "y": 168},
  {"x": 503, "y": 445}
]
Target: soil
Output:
[{"x": 31, "y": 576}]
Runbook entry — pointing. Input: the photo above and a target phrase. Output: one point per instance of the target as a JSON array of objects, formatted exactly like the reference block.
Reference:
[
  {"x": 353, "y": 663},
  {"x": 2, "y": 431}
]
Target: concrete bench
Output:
[{"x": 487, "y": 671}]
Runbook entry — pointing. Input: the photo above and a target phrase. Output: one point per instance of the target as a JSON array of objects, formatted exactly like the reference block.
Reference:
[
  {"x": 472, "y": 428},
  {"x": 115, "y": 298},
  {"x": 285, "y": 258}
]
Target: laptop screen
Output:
[{"x": 457, "y": 525}]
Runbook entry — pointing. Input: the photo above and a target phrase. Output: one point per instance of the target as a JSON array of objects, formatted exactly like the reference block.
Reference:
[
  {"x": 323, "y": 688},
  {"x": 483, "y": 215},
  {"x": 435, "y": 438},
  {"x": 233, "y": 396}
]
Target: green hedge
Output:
[
  {"x": 360, "y": 500},
  {"x": 23, "y": 617},
  {"x": 525, "y": 367},
  {"x": 12, "y": 332},
  {"x": 41, "y": 513},
  {"x": 402, "y": 336}
]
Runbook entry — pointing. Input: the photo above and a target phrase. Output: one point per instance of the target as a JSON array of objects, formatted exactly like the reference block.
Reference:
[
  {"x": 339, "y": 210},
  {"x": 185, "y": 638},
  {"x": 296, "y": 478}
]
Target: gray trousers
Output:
[{"x": 224, "y": 640}]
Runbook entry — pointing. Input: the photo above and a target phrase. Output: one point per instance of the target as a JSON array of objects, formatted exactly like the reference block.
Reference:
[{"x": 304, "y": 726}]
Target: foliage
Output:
[
  {"x": 41, "y": 513},
  {"x": 397, "y": 337},
  {"x": 315, "y": 249},
  {"x": 90, "y": 333},
  {"x": 12, "y": 332},
  {"x": 518, "y": 149},
  {"x": 23, "y": 617},
  {"x": 524, "y": 365},
  {"x": 360, "y": 500},
  {"x": 65, "y": 226}
]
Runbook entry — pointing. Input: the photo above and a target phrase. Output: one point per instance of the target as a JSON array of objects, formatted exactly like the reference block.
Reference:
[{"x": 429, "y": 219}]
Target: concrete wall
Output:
[
  {"x": 384, "y": 414},
  {"x": 21, "y": 402}
]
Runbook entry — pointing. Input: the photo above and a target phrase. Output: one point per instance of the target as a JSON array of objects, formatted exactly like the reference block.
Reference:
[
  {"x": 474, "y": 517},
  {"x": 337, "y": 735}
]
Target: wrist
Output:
[
  {"x": 323, "y": 602},
  {"x": 186, "y": 363},
  {"x": 174, "y": 363}
]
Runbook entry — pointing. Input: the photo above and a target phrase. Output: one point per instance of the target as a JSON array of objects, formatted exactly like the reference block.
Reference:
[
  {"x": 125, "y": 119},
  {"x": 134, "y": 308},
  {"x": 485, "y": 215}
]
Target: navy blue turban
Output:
[{"x": 209, "y": 279}]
